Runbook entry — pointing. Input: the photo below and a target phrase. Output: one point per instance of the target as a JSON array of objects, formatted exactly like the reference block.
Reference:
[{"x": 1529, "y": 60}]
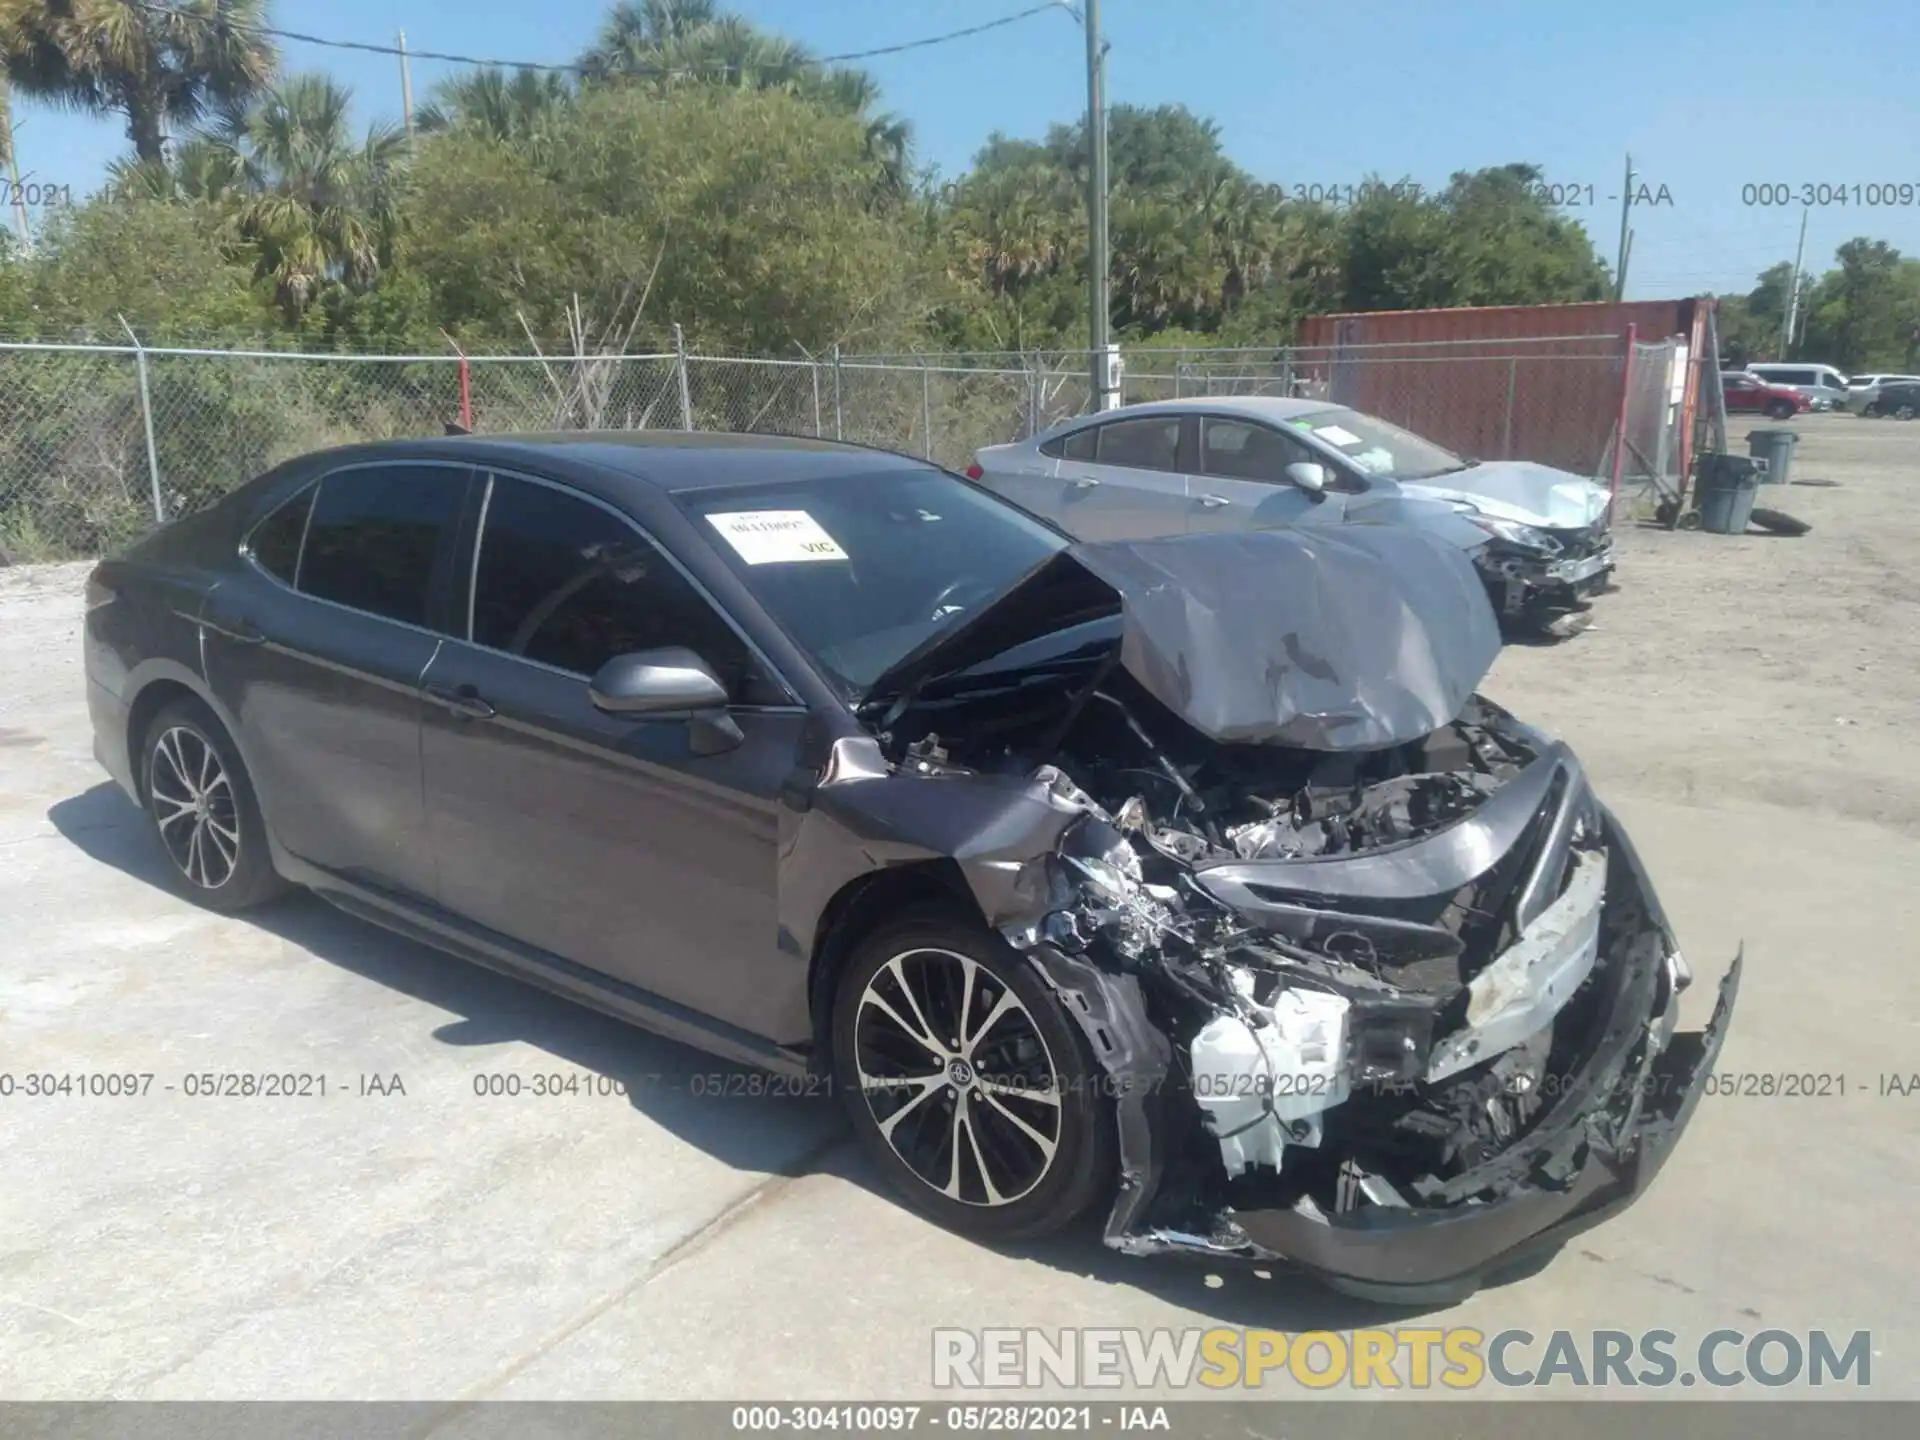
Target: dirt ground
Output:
[
  {"x": 1746, "y": 704},
  {"x": 1785, "y": 670}
]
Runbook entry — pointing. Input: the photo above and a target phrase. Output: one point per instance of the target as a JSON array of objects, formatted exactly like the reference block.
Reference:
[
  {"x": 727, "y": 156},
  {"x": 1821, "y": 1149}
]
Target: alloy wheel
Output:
[
  {"x": 194, "y": 807},
  {"x": 958, "y": 1077}
]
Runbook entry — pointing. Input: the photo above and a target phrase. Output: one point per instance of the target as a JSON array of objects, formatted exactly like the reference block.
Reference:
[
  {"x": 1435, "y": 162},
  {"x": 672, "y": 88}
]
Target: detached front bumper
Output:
[{"x": 1589, "y": 1158}]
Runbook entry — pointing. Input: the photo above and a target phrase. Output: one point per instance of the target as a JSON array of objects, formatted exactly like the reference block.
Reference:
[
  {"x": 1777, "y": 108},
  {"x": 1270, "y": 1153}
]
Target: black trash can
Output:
[
  {"x": 1727, "y": 486},
  {"x": 1776, "y": 448}
]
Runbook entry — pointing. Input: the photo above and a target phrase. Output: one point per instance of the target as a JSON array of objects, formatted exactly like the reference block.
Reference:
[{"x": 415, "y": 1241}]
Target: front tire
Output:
[
  {"x": 968, "y": 1085},
  {"x": 1779, "y": 410},
  {"x": 201, "y": 804}
]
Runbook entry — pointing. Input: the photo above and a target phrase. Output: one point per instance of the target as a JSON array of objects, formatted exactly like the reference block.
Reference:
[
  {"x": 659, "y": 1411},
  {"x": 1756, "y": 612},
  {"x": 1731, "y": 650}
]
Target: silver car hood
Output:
[
  {"x": 1349, "y": 637},
  {"x": 1522, "y": 491}
]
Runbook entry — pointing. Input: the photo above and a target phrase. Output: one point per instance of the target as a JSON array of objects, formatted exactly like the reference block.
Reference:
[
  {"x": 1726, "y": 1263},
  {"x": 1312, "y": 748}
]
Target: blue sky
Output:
[{"x": 1708, "y": 95}]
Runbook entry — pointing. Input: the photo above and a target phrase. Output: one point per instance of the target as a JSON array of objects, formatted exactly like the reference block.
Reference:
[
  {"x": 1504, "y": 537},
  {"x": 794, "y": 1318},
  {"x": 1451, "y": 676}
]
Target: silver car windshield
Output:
[{"x": 1377, "y": 447}]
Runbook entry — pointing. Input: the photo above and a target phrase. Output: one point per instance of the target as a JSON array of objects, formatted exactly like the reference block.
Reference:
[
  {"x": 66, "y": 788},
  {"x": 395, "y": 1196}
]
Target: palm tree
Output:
[
  {"x": 320, "y": 207},
  {"x": 158, "y": 65},
  {"x": 638, "y": 35},
  {"x": 201, "y": 168},
  {"x": 516, "y": 107}
]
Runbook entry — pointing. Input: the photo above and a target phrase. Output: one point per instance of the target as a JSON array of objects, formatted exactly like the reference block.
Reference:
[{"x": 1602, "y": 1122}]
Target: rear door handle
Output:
[
  {"x": 241, "y": 631},
  {"x": 461, "y": 699},
  {"x": 1084, "y": 482},
  {"x": 1214, "y": 502}
]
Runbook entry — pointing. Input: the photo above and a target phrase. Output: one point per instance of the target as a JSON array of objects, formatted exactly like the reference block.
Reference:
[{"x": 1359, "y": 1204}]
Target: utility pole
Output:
[
  {"x": 406, "y": 88},
  {"x": 1098, "y": 299},
  {"x": 1620, "y": 262},
  {"x": 1793, "y": 298}
]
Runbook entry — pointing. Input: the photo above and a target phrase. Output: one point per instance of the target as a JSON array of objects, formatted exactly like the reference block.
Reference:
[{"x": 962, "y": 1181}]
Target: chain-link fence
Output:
[{"x": 97, "y": 442}]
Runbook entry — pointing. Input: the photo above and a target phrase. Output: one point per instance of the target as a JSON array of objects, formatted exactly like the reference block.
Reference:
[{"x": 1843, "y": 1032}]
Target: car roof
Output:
[
  {"x": 612, "y": 463},
  {"x": 1254, "y": 407}
]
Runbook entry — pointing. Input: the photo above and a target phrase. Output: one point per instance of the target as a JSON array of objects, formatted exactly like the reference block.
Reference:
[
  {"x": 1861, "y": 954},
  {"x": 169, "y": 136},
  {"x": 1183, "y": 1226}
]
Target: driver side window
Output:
[
  {"x": 563, "y": 582},
  {"x": 1245, "y": 450}
]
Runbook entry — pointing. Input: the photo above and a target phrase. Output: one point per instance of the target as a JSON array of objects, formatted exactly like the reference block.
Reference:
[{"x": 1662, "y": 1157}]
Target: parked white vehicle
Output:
[
  {"x": 1863, "y": 390},
  {"x": 1264, "y": 462},
  {"x": 1824, "y": 386}
]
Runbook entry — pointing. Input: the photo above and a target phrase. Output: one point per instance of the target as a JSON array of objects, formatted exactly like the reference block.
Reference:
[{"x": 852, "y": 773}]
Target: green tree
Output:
[
  {"x": 168, "y": 268},
  {"x": 519, "y": 106},
  {"x": 1865, "y": 313},
  {"x": 750, "y": 204},
  {"x": 669, "y": 44},
  {"x": 321, "y": 205},
  {"x": 160, "y": 66}
]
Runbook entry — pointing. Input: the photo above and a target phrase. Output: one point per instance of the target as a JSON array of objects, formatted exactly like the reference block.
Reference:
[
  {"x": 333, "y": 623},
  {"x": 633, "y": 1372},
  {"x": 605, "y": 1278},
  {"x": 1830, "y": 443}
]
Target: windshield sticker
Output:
[
  {"x": 1334, "y": 435},
  {"x": 776, "y": 537}
]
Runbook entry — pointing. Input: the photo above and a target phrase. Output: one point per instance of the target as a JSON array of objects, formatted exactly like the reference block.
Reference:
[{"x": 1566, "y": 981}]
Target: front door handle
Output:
[
  {"x": 1213, "y": 502},
  {"x": 461, "y": 699},
  {"x": 241, "y": 631},
  {"x": 1084, "y": 482}
]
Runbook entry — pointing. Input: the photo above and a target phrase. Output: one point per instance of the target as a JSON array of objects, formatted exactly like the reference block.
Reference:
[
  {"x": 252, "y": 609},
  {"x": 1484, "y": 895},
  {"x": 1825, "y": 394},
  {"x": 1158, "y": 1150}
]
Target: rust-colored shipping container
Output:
[{"x": 1531, "y": 382}]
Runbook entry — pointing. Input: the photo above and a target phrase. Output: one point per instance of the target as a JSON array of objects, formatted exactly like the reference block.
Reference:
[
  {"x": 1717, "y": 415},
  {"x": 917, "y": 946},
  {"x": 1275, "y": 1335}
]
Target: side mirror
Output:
[
  {"x": 671, "y": 681},
  {"x": 1309, "y": 475}
]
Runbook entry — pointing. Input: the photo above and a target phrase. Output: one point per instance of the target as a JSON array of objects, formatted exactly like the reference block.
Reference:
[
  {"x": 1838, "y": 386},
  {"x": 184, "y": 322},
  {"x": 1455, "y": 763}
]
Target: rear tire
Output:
[
  {"x": 1006, "y": 1135},
  {"x": 1778, "y": 522},
  {"x": 1905, "y": 412},
  {"x": 201, "y": 804}
]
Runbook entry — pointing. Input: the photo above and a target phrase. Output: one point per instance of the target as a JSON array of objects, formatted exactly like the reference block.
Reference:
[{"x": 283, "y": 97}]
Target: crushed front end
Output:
[
  {"x": 1401, "y": 1017},
  {"x": 1539, "y": 568},
  {"x": 1419, "y": 1020},
  {"x": 1379, "y": 985}
]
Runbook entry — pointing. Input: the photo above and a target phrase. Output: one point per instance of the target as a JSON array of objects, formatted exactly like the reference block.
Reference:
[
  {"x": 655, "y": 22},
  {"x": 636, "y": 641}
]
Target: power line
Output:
[{"x": 372, "y": 48}]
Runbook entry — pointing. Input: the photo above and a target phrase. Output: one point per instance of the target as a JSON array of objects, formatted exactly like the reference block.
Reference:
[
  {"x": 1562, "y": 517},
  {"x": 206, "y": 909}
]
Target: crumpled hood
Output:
[
  {"x": 1349, "y": 638},
  {"x": 1522, "y": 491}
]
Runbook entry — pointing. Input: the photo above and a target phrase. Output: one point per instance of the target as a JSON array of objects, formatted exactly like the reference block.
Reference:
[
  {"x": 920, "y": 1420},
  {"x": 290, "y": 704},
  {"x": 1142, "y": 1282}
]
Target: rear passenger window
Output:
[
  {"x": 375, "y": 534},
  {"x": 275, "y": 543},
  {"x": 1151, "y": 443},
  {"x": 1077, "y": 446}
]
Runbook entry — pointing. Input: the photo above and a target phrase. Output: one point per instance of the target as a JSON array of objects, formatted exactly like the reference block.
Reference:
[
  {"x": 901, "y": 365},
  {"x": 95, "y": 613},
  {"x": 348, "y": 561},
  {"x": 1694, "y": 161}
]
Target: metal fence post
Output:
[
  {"x": 839, "y": 418},
  {"x": 926, "y": 404},
  {"x": 1506, "y": 450},
  {"x": 686, "y": 391},
  {"x": 813, "y": 366},
  {"x": 1620, "y": 422},
  {"x": 146, "y": 417}
]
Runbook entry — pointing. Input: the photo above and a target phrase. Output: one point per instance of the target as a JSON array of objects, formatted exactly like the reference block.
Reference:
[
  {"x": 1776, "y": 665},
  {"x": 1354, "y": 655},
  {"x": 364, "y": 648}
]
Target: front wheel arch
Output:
[{"x": 857, "y": 909}]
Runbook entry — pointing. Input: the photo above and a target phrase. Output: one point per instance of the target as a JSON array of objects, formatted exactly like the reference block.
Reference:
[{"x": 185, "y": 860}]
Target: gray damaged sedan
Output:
[
  {"x": 1541, "y": 537},
  {"x": 1186, "y": 880}
]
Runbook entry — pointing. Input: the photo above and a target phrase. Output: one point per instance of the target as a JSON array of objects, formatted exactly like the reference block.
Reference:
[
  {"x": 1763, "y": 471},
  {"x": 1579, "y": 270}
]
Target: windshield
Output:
[
  {"x": 860, "y": 569},
  {"x": 1378, "y": 447}
]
